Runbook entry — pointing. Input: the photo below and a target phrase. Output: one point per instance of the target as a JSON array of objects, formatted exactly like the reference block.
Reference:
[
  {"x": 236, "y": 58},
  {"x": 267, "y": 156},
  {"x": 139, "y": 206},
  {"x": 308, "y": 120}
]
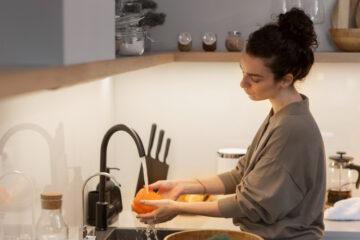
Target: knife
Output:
[
  {"x": 161, "y": 135},
  {"x": 167, "y": 149},
  {"x": 151, "y": 140}
]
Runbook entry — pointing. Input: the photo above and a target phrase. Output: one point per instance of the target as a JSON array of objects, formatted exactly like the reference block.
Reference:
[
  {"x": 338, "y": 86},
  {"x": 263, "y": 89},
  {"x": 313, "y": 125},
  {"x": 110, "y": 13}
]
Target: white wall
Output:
[
  {"x": 199, "y": 105},
  {"x": 54, "y": 139},
  {"x": 202, "y": 108}
]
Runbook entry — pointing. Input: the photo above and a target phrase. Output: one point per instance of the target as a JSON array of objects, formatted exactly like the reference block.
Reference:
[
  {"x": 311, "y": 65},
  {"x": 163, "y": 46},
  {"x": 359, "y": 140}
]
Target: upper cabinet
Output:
[
  {"x": 61, "y": 32},
  {"x": 64, "y": 32}
]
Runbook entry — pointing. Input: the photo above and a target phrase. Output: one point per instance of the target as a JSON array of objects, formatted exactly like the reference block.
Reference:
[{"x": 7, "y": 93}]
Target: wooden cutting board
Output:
[{"x": 343, "y": 14}]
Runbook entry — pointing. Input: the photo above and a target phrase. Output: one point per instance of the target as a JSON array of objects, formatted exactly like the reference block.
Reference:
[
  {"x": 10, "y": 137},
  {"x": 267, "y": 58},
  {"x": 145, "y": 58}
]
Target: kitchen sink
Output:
[{"x": 133, "y": 234}]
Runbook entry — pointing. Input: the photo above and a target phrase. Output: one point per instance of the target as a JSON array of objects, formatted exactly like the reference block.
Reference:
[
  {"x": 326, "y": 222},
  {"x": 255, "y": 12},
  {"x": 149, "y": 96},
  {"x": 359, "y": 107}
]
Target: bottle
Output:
[{"x": 51, "y": 225}]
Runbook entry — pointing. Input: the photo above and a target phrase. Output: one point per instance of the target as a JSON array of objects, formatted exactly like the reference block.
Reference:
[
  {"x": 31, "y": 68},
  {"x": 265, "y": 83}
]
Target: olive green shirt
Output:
[{"x": 279, "y": 184}]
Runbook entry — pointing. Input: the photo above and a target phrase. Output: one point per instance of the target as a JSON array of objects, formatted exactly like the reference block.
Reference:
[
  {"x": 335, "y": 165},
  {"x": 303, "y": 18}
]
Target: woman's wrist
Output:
[
  {"x": 186, "y": 186},
  {"x": 193, "y": 186},
  {"x": 204, "y": 190},
  {"x": 177, "y": 207}
]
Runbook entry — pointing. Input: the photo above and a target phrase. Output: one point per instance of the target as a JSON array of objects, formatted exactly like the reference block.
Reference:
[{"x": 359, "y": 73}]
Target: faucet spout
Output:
[{"x": 101, "y": 213}]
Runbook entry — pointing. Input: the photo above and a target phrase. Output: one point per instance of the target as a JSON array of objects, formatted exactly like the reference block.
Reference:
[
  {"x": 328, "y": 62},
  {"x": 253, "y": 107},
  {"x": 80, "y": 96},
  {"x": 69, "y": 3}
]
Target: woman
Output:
[{"x": 279, "y": 184}]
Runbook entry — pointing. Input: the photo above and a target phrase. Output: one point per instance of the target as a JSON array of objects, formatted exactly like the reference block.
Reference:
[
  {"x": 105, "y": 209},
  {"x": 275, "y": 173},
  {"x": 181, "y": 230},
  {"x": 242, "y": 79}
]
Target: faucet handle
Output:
[{"x": 112, "y": 168}]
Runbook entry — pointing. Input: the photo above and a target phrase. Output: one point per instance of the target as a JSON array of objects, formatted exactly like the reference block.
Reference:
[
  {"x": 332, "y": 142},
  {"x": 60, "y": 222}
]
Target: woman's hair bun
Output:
[{"x": 296, "y": 25}]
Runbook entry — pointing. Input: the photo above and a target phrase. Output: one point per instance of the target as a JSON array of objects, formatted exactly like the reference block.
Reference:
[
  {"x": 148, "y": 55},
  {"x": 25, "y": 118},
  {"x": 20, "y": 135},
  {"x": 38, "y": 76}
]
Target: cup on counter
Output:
[{"x": 227, "y": 158}]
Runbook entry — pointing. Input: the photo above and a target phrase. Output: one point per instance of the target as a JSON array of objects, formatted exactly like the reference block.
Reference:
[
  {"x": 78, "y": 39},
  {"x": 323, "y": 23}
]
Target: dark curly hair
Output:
[{"x": 286, "y": 45}]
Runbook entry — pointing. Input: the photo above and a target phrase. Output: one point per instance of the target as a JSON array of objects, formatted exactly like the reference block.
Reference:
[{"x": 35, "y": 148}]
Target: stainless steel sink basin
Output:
[{"x": 133, "y": 234}]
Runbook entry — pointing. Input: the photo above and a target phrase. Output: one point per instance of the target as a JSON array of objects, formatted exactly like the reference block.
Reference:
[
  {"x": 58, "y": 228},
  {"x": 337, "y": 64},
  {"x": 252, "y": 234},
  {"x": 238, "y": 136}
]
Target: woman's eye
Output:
[{"x": 255, "y": 80}]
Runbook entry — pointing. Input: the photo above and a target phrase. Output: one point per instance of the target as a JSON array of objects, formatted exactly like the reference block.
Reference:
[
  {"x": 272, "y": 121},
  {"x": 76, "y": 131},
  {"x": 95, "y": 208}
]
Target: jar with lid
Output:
[
  {"x": 51, "y": 225},
  {"x": 209, "y": 40},
  {"x": 233, "y": 42},
  {"x": 130, "y": 41},
  {"x": 184, "y": 42},
  {"x": 341, "y": 177},
  {"x": 227, "y": 158}
]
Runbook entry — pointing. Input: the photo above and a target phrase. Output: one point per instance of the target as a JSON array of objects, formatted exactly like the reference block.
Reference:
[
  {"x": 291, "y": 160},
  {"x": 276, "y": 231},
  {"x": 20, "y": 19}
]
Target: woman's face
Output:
[{"x": 258, "y": 80}]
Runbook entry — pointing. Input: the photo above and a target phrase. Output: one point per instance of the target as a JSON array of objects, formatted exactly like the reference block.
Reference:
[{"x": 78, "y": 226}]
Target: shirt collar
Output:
[{"x": 295, "y": 108}]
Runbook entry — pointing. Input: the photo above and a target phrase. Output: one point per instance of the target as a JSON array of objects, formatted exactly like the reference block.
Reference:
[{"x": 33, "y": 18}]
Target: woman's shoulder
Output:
[{"x": 297, "y": 126}]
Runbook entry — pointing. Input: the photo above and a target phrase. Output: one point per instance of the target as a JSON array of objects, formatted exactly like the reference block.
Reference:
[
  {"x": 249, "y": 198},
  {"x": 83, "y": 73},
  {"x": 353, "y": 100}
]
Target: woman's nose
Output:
[{"x": 244, "y": 83}]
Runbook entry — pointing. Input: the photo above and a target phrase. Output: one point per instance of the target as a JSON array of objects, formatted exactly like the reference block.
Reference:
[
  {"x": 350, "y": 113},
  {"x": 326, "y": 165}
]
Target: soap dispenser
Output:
[{"x": 112, "y": 196}]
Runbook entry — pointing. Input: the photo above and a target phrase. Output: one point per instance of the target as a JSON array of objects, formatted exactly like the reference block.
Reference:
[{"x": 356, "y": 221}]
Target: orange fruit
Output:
[{"x": 142, "y": 194}]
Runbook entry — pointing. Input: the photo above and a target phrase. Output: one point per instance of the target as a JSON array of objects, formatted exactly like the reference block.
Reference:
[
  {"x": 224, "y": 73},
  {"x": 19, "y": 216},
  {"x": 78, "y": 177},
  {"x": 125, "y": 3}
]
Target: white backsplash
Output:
[
  {"x": 56, "y": 134},
  {"x": 54, "y": 137}
]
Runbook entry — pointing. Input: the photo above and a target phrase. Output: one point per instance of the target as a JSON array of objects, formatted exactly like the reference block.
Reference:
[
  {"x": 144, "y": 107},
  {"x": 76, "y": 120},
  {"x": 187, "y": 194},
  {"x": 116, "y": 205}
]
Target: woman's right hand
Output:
[{"x": 169, "y": 189}]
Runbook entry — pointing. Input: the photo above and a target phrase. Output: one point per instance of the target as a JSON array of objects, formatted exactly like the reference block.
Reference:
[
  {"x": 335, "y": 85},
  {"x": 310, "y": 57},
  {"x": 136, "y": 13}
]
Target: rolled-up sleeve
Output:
[
  {"x": 268, "y": 193},
  {"x": 232, "y": 178}
]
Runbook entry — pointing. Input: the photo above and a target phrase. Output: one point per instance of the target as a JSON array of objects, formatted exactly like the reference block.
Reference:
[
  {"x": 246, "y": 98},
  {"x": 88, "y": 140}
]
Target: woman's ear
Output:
[{"x": 287, "y": 80}]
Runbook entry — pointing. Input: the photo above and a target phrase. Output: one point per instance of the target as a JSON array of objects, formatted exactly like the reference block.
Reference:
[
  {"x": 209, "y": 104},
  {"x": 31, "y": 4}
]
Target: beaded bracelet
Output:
[{"x": 201, "y": 185}]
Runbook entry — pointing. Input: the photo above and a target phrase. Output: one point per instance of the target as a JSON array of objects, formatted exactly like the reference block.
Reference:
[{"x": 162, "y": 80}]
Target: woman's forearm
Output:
[
  {"x": 210, "y": 185},
  {"x": 210, "y": 209}
]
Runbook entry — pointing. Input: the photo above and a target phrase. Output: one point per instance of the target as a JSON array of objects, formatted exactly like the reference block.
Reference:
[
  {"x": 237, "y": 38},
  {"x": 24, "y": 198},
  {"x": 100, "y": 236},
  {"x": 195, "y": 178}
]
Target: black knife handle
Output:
[
  {"x": 167, "y": 149},
  {"x": 151, "y": 140},
  {"x": 161, "y": 135}
]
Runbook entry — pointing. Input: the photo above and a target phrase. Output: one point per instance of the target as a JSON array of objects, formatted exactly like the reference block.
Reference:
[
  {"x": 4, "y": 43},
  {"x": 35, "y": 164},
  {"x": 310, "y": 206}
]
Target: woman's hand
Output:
[
  {"x": 168, "y": 189},
  {"x": 166, "y": 210}
]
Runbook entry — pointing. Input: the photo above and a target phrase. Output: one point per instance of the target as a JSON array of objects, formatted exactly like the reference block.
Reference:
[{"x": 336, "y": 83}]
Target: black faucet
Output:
[{"x": 102, "y": 205}]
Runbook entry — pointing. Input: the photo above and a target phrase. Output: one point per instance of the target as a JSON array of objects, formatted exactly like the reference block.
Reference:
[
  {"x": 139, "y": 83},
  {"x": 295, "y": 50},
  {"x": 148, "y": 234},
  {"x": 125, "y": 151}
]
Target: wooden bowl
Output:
[
  {"x": 346, "y": 39},
  {"x": 206, "y": 234}
]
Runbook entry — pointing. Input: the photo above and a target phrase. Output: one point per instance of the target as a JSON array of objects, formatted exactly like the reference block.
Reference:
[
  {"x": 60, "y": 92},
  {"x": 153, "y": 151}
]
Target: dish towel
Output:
[{"x": 344, "y": 210}]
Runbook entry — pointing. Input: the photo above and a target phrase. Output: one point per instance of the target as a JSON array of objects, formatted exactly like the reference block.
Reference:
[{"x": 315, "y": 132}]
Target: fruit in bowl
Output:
[{"x": 143, "y": 194}]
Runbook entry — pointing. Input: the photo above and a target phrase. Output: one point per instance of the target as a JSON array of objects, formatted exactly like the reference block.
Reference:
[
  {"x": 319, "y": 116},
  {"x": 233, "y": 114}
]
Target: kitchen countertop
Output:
[{"x": 333, "y": 229}]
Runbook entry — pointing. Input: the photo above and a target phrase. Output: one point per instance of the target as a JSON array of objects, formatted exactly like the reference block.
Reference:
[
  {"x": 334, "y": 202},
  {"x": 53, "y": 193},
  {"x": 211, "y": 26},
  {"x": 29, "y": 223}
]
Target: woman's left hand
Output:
[{"x": 166, "y": 210}]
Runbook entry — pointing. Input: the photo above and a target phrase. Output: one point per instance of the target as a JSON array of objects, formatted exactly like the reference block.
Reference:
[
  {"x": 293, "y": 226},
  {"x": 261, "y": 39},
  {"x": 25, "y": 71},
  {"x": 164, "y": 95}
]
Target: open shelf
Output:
[{"x": 15, "y": 81}]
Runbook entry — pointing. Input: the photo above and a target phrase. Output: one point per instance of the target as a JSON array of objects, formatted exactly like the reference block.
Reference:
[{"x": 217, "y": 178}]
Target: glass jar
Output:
[
  {"x": 209, "y": 41},
  {"x": 51, "y": 225},
  {"x": 130, "y": 42},
  {"x": 315, "y": 10},
  {"x": 341, "y": 178},
  {"x": 184, "y": 42},
  {"x": 227, "y": 158},
  {"x": 132, "y": 7},
  {"x": 233, "y": 42}
]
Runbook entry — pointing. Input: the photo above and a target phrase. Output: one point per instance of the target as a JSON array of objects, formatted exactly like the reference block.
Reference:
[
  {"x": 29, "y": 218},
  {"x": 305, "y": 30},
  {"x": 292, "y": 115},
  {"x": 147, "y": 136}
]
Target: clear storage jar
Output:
[
  {"x": 209, "y": 40},
  {"x": 130, "y": 42},
  {"x": 233, "y": 42},
  {"x": 227, "y": 158},
  {"x": 184, "y": 42},
  {"x": 51, "y": 225}
]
